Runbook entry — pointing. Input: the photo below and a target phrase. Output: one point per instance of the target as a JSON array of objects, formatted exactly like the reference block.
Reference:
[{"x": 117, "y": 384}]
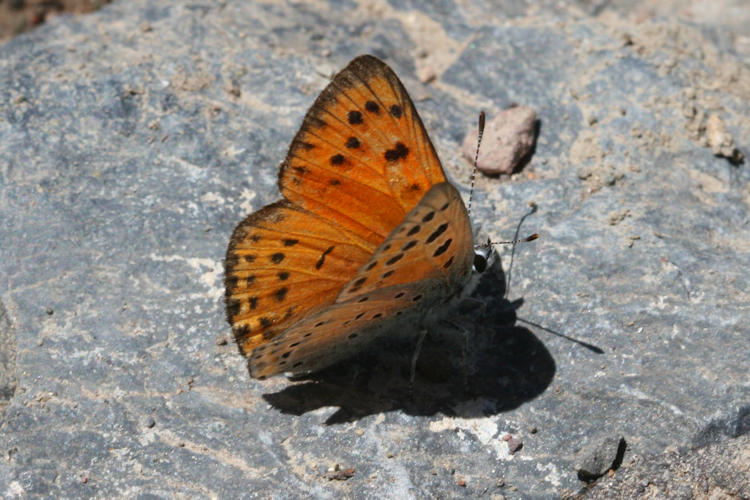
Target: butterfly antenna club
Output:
[{"x": 480, "y": 133}]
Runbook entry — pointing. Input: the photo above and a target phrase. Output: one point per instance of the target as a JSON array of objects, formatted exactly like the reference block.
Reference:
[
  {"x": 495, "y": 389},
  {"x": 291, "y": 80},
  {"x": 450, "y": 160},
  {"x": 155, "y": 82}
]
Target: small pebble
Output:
[
  {"x": 508, "y": 139},
  {"x": 514, "y": 444},
  {"x": 600, "y": 456},
  {"x": 585, "y": 171},
  {"x": 427, "y": 74},
  {"x": 339, "y": 474}
]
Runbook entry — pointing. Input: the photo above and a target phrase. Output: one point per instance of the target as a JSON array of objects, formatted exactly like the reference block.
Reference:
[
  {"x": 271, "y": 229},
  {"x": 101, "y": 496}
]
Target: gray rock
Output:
[
  {"x": 599, "y": 457},
  {"x": 127, "y": 155}
]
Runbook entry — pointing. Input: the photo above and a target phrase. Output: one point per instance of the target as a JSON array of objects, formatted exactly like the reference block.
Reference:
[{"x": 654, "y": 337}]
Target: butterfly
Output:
[{"x": 370, "y": 234}]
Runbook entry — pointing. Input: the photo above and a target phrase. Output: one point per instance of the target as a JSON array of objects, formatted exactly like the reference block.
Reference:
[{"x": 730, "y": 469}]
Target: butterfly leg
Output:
[
  {"x": 415, "y": 357},
  {"x": 464, "y": 351}
]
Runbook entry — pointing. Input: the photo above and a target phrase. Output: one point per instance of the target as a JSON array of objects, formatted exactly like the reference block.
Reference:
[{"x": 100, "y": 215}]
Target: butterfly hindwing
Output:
[
  {"x": 334, "y": 333},
  {"x": 362, "y": 158},
  {"x": 434, "y": 241}
]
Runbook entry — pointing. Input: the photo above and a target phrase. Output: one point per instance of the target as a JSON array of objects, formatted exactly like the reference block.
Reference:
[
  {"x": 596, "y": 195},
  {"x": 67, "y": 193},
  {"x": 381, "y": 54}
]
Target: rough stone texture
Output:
[
  {"x": 133, "y": 140},
  {"x": 716, "y": 471}
]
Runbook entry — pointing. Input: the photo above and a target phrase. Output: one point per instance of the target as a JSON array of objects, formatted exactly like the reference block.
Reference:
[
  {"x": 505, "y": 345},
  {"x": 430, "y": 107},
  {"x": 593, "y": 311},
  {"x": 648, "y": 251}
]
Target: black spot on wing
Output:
[
  {"x": 322, "y": 258},
  {"x": 409, "y": 245},
  {"x": 437, "y": 232},
  {"x": 395, "y": 111},
  {"x": 394, "y": 259},
  {"x": 442, "y": 248},
  {"x": 358, "y": 284},
  {"x": 354, "y": 117},
  {"x": 372, "y": 107},
  {"x": 277, "y": 257},
  {"x": 280, "y": 294},
  {"x": 232, "y": 282},
  {"x": 352, "y": 143},
  {"x": 233, "y": 307},
  {"x": 399, "y": 152}
]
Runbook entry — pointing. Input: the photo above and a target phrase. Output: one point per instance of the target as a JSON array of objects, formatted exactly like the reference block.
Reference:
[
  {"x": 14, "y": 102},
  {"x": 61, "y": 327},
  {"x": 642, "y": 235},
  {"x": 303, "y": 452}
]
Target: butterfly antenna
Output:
[
  {"x": 514, "y": 241},
  {"x": 587, "y": 345},
  {"x": 476, "y": 158}
]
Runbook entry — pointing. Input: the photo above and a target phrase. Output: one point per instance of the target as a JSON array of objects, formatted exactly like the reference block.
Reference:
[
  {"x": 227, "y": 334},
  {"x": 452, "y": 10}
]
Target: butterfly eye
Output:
[{"x": 480, "y": 263}]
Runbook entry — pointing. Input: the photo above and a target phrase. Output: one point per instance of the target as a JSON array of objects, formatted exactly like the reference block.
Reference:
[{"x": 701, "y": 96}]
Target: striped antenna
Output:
[{"x": 476, "y": 158}]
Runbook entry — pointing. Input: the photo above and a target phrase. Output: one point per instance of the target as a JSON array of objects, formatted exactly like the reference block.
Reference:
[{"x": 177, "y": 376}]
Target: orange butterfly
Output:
[{"x": 369, "y": 233}]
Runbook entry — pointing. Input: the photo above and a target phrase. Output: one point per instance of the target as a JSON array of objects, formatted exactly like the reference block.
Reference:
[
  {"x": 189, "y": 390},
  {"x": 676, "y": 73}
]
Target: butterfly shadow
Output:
[{"x": 479, "y": 363}]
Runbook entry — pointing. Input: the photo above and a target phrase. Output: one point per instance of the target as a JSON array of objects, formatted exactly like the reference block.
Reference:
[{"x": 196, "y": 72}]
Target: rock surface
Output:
[{"x": 133, "y": 140}]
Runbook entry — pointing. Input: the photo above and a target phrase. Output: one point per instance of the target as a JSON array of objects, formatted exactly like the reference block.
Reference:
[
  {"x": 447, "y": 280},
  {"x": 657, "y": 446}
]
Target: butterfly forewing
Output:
[
  {"x": 434, "y": 241},
  {"x": 281, "y": 263},
  {"x": 362, "y": 157}
]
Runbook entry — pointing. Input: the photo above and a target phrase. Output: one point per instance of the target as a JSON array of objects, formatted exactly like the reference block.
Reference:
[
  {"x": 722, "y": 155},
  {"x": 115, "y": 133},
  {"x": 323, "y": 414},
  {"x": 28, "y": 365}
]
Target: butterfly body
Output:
[{"x": 370, "y": 236}]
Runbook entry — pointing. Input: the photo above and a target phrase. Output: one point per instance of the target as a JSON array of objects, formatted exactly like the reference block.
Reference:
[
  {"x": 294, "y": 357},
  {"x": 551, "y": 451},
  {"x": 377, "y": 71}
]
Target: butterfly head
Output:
[{"x": 484, "y": 257}]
